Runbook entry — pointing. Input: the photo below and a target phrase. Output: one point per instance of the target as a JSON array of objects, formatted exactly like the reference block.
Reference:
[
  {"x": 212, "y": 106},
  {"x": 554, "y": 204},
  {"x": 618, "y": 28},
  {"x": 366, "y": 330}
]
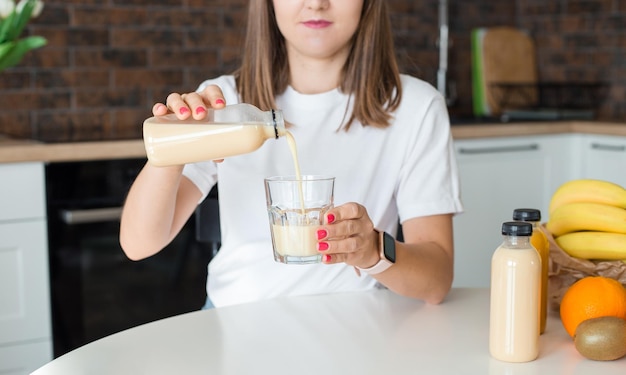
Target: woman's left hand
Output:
[{"x": 349, "y": 237}]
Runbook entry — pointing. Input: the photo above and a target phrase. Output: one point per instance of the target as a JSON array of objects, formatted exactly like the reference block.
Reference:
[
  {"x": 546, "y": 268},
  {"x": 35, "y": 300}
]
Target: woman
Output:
[{"x": 329, "y": 65}]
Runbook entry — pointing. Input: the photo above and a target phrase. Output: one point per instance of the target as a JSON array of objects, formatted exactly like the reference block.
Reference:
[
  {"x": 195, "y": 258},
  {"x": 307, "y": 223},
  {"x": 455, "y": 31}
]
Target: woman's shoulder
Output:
[
  {"x": 420, "y": 102},
  {"x": 419, "y": 96},
  {"x": 415, "y": 87},
  {"x": 228, "y": 85}
]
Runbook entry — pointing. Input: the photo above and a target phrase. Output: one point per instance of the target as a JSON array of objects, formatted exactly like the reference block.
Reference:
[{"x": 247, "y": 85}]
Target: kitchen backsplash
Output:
[{"x": 107, "y": 62}]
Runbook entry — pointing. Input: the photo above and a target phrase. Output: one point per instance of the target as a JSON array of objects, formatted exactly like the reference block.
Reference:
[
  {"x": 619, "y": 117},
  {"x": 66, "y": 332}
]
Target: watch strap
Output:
[
  {"x": 379, "y": 267},
  {"x": 382, "y": 265}
]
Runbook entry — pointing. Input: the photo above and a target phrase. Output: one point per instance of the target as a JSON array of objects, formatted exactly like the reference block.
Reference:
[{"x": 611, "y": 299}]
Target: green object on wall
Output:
[{"x": 479, "y": 98}]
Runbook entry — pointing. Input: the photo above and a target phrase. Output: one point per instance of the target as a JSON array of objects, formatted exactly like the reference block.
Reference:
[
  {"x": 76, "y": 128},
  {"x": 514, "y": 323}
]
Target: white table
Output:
[{"x": 375, "y": 332}]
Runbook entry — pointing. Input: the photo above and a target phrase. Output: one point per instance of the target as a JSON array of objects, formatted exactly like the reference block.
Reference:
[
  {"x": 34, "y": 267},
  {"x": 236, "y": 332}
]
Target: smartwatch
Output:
[{"x": 387, "y": 255}]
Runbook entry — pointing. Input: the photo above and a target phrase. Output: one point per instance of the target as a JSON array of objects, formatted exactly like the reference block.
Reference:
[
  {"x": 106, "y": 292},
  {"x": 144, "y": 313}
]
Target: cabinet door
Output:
[
  {"x": 497, "y": 176},
  {"x": 22, "y": 191},
  {"x": 604, "y": 158},
  {"x": 24, "y": 282},
  {"x": 23, "y": 359}
]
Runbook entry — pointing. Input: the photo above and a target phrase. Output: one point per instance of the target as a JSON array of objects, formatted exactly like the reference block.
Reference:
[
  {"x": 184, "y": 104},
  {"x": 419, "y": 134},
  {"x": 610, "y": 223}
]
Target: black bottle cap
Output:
[
  {"x": 527, "y": 214},
  {"x": 517, "y": 228}
]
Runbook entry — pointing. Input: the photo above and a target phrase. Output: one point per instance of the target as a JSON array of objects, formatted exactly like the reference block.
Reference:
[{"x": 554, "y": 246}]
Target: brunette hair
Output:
[{"x": 370, "y": 75}]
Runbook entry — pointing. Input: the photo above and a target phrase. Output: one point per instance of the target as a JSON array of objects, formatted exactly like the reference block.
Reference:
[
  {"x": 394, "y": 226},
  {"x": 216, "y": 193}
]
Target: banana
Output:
[
  {"x": 588, "y": 190},
  {"x": 574, "y": 217},
  {"x": 594, "y": 245}
]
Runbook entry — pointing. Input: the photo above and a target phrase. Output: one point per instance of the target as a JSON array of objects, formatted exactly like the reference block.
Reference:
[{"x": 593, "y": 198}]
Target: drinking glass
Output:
[{"x": 296, "y": 208}]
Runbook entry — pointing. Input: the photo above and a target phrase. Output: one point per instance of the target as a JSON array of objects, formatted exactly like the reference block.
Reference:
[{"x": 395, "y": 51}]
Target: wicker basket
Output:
[{"x": 564, "y": 270}]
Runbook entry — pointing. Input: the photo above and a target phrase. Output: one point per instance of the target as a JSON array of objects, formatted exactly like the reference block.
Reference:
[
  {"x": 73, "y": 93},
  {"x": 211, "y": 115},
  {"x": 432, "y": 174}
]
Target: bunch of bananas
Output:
[{"x": 588, "y": 219}]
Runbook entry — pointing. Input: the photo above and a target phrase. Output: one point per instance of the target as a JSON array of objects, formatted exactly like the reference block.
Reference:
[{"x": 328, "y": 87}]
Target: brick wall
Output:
[
  {"x": 108, "y": 61},
  {"x": 581, "y": 41}
]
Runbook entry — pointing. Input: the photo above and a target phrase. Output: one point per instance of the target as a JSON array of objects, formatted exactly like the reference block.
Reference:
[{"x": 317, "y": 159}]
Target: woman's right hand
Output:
[{"x": 193, "y": 104}]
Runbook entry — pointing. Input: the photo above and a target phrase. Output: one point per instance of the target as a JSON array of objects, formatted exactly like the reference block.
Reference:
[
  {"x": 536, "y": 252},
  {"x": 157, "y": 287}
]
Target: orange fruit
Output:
[{"x": 592, "y": 297}]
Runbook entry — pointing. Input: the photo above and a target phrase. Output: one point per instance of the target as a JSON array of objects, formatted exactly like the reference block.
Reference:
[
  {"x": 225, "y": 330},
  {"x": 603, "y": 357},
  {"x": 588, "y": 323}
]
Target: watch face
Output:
[{"x": 389, "y": 247}]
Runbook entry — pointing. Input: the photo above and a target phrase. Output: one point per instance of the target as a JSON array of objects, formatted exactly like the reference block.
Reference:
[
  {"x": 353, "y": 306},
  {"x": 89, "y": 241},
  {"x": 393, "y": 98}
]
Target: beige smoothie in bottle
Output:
[
  {"x": 233, "y": 130},
  {"x": 515, "y": 295}
]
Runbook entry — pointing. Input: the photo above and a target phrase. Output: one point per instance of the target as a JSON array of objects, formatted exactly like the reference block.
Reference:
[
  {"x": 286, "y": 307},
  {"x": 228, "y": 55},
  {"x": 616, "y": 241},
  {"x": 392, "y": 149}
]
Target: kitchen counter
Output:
[
  {"x": 374, "y": 332},
  {"x": 13, "y": 150},
  {"x": 512, "y": 129}
]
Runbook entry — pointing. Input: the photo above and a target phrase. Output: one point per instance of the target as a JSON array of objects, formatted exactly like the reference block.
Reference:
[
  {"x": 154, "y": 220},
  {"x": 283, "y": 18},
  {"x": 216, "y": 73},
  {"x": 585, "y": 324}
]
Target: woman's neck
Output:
[{"x": 314, "y": 76}]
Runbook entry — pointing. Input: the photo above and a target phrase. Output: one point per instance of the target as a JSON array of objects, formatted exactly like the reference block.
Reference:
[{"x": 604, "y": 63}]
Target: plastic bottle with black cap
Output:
[{"x": 515, "y": 294}]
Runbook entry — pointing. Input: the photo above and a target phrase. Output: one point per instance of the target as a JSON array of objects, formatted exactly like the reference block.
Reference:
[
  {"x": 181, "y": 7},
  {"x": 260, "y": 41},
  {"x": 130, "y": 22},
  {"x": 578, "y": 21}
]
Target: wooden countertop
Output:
[
  {"x": 25, "y": 151},
  {"x": 15, "y": 150},
  {"x": 537, "y": 128}
]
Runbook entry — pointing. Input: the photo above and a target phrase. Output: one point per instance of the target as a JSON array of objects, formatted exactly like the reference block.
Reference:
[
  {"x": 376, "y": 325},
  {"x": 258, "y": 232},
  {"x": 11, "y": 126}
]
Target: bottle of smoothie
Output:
[
  {"x": 233, "y": 130},
  {"x": 515, "y": 290},
  {"x": 541, "y": 244}
]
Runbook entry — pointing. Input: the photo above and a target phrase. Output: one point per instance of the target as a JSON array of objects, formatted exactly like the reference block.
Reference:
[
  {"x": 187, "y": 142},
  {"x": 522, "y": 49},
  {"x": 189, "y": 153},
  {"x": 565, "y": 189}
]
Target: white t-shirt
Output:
[{"x": 404, "y": 171}]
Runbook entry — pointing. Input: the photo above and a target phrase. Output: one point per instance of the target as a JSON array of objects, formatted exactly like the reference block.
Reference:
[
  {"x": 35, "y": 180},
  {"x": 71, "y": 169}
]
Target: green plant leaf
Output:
[
  {"x": 33, "y": 42},
  {"x": 6, "y": 51},
  {"x": 5, "y": 47},
  {"x": 21, "y": 20},
  {"x": 12, "y": 53},
  {"x": 5, "y": 27}
]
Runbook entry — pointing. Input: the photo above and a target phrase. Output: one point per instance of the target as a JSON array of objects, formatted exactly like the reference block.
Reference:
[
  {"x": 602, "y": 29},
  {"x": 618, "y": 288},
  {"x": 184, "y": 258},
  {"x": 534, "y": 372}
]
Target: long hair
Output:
[{"x": 370, "y": 75}]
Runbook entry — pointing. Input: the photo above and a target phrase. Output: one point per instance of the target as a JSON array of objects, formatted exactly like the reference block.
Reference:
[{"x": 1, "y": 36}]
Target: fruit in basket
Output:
[
  {"x": 594, "y": 245},
  {"x": 579, "y": 216},
  {"x": 588, "y": 190},
  {"x": 601, "y": 339},
  {"x": 593, "y": 206},
  {"x": 592, "y": 297}
]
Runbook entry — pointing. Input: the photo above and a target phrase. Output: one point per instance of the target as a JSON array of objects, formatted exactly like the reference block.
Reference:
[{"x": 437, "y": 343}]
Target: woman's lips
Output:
[{"x": 317, "y": 24}]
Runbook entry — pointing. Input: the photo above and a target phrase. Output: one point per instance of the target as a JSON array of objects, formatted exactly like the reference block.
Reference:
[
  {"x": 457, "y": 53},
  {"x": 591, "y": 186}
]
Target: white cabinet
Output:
[
  {"x": 603, "y": 157},
  {"x": 499, "y": 175},
  {"x": 25, "y": 331}
]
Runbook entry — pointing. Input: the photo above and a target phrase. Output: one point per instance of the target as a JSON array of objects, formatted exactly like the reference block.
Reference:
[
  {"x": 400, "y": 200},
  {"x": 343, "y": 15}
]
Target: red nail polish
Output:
[
  {"x": 326, "y": 258},
  {"x": 321, "y": 246},
  {"x": 219, "y": 101},
  {"x": 200, "y": 110},
  {"x": 183, "y": 110},
  {"x": 321, "y": 234},
  {"x": 330, "y": 218}
]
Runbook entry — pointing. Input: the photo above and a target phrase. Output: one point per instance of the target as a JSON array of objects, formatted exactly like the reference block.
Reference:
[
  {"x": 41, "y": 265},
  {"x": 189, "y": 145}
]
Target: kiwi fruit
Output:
[{"x": 601, "y": 339}]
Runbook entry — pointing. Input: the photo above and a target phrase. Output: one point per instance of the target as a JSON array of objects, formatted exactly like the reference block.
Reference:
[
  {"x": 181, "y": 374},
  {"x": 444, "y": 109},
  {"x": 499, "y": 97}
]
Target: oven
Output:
[{"x": 95, "y": 289}]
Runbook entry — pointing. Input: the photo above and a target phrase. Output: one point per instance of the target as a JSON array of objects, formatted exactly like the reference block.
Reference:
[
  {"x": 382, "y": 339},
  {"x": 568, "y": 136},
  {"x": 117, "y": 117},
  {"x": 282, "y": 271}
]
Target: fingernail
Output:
[
  {"x": 321, "y": 246},
  {"x": 326, "y": 258},
  {"x": 321, "y": 234},
  {"x": 330, "y": 218},
  {"x": 219, "y": 101},
  {"x": 183, "y": 110},
  {"x": 200, "y": 110}
]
